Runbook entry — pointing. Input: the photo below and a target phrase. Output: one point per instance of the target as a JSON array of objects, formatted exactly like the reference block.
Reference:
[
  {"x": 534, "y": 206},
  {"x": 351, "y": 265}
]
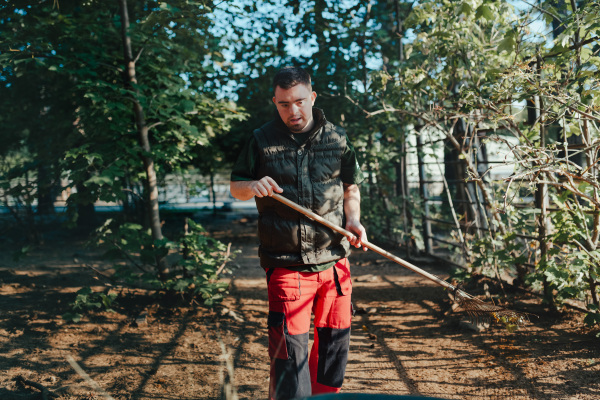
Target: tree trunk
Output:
[
  {"x": 455, "y": 172},
  {"x": 403, "y": 192},
  {"x": 486, "y": 194},
  {"x": 542, "y": 200},
  {"x": 213, "y": 194},
  {"x": 45, "y": 189},
  {"x": 423, "y": 188},
  {"x": 144, "y": 141},
  {"x": 86, "y": 212},
  {"x": 399, "y": 31}
]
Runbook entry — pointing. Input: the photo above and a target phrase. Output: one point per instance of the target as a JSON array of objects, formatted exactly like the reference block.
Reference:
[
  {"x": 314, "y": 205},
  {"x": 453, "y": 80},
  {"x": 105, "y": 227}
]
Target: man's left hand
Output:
[{"x": 360, "y": 234}]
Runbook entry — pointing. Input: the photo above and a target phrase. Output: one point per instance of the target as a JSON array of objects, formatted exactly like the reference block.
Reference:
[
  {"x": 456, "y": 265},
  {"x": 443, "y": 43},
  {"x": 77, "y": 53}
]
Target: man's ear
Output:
[
  {"x": 313, "y": 97},
  {"x": 274, "y": 100}
]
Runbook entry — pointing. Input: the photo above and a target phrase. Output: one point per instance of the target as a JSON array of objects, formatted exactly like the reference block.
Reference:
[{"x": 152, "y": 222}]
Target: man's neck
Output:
[
  {"x": 308, "y": 127},
  {"x": 316, "y": 121}
]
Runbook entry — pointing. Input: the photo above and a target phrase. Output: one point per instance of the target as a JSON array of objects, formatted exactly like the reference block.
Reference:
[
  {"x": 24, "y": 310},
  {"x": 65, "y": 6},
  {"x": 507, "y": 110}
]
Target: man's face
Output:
[{"x": 295, "y": 107}]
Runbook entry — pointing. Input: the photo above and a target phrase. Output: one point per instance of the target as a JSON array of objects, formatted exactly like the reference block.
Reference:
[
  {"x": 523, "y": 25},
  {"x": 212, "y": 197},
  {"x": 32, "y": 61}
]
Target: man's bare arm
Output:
[
  {"x": 245, "y": 190},
  {"x": 352, "y": 211}
]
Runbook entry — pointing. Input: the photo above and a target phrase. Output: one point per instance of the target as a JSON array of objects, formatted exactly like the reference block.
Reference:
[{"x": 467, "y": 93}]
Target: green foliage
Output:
[
  {"x": 593, "y": 317},
  {"x": 511, "y": 324},
  {"x": 202, "y": 262},
  {"x": 86, "y": 301},
  {"x": 474, "y": 63},
  {"x": 386, "y": 71},
  {"x": 197, "y": 260},
  {"x": 21, "y": 253},
  {"x": 459, "y": 274},
  {"x": 68, "y": 107},
  {"x": 572, "y": 266},
  {"x": 501, "y": 252}
]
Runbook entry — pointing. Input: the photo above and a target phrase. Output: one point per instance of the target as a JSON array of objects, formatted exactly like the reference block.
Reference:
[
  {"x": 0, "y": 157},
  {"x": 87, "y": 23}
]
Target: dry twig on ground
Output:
[{"x": 46, "y": 393}]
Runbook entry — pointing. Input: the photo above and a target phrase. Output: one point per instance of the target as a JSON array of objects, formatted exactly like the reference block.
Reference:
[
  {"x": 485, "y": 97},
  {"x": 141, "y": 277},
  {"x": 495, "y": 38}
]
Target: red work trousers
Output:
[{"x": 292, "y": 297}]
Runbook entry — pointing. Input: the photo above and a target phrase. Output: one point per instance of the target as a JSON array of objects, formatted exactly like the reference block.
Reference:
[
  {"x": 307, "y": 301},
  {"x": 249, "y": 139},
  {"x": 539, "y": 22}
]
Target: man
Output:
[{"x": 310, "y": 161}]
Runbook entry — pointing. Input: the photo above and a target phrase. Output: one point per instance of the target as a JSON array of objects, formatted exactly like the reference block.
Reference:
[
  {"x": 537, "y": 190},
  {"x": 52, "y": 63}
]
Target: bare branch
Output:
[
  {"x": 137, "y": 57},
  {"x": 570, "y": 107},
  {"x": 46, "y": 393},
  {"x": 227, "y": 254}
]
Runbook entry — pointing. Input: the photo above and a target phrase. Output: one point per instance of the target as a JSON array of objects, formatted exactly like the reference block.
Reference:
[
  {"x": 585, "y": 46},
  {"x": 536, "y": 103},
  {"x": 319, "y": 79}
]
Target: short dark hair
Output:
[{"x": 289, "y": 77}]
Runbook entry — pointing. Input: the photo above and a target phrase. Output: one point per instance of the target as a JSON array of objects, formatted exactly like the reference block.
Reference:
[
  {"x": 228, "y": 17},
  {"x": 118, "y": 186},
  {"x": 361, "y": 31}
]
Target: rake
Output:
[{"x": 478, "y": 310}]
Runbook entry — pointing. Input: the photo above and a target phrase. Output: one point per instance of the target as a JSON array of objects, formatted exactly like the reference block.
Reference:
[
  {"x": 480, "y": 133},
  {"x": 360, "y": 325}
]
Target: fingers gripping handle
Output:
[{"x": 371, "y": 246}]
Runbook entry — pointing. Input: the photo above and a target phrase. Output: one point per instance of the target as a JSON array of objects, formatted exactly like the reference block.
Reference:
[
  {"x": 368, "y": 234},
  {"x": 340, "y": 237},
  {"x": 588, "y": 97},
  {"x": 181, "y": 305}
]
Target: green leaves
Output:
[
  {"x": 98, "y": 180},
  {"x": 86, "y": 301},
  {"x": 465, "y": 8},
  {"x": 491, "y": 66},
  {"x": 485, "y": 11},
  {"x": 196, "y": 269},
  {"x": 593, "y": 317},
  {"x": 66, "y": 103},
  {"x": 509, "y": 42},
  {"x": 66, "y": 108}
]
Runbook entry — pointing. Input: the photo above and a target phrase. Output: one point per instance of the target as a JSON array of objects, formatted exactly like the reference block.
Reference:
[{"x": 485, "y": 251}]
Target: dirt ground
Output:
[{"x": 405, "y": 338}]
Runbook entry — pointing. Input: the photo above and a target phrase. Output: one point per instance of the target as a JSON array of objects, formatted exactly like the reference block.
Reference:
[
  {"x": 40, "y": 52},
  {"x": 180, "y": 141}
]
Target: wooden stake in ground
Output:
[{"x": 87, "y": 378}]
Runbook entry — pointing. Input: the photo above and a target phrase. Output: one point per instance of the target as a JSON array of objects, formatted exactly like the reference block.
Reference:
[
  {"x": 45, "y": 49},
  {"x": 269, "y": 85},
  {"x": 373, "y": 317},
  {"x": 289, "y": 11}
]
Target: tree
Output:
[
  {"x": 134, "y": 118},
  {"x": 488, "y": 62}
]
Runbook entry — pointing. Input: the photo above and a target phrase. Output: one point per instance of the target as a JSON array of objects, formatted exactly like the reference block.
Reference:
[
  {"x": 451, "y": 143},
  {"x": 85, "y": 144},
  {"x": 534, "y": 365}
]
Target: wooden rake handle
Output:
[{"x": 368, "y": 245}]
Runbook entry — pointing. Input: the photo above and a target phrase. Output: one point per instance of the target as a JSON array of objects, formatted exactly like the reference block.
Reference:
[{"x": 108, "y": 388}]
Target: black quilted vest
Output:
[{"x": 309, "y": 175}]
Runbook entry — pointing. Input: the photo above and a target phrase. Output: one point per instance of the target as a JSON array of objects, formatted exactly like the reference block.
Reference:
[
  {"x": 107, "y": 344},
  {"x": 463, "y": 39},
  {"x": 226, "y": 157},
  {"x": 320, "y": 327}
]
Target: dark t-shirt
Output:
[{"x": 246, "y": 167}]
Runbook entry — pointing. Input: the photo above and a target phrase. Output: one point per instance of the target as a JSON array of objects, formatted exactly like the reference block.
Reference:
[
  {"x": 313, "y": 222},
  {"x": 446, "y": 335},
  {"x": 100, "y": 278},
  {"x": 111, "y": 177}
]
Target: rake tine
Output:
[{"x": 474, "y": 307}]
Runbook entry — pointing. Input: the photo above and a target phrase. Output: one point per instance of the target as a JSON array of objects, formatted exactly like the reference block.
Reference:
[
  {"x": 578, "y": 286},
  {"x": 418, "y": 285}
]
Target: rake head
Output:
[{"x": 480, "y": 311}]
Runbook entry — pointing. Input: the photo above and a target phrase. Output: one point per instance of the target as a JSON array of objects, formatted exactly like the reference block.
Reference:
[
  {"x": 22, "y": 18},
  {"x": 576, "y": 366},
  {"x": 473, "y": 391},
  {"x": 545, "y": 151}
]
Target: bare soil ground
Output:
[{"x": 405, "y": 339}]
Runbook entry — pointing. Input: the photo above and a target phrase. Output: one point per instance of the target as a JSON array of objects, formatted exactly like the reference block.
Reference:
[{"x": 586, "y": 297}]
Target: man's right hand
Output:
[
  {"x": 265, "y": 187},
  {"x": 245, "y": 190}
]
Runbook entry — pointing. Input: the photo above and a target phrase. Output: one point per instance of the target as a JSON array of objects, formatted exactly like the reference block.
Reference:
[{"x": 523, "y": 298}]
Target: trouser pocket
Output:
[
  {"x": 283, "y": 287},
  {"x": 341, "y": 275},
  {"x": 283, "y": 284}
]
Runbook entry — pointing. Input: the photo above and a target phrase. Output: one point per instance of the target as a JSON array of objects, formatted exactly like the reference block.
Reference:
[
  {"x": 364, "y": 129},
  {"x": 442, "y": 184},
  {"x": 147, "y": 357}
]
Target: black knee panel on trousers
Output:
[
  {"x": 333, "y": 355},
  {"x": 291, "y": 376}
]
